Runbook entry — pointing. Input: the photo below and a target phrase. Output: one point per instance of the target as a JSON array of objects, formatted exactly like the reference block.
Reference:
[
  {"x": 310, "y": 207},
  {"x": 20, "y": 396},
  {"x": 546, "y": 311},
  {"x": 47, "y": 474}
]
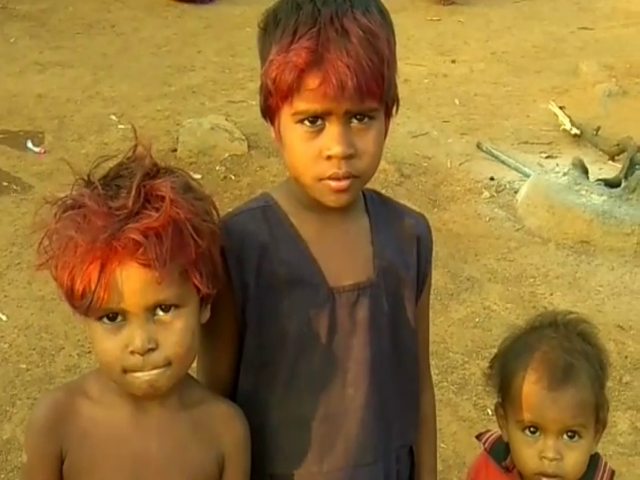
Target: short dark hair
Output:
[
  {"x": 351, "y": 43},
  {"x": 568, "y": 348}
]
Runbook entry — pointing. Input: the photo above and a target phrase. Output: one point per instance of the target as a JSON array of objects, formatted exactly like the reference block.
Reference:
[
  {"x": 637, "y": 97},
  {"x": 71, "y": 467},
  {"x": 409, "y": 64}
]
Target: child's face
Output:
[
  {"x": 552, "y": 434},
  {"x": 331, "y": 147},
  {"x": 145, "y": 337}
]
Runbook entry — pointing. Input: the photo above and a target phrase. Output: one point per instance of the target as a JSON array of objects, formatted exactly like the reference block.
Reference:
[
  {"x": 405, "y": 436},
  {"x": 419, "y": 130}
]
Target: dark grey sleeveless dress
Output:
[{"x": 328, "y": 377}]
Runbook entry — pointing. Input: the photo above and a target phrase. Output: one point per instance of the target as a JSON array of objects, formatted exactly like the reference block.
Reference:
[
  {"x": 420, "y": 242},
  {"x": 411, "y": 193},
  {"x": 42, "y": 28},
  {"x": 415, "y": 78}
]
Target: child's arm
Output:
[
  {"x": 43, "y": 439},
  {"x": 237, "y": 455},
  {"x": 427, "y": 458},
  {"x": 220, "y": 345}
]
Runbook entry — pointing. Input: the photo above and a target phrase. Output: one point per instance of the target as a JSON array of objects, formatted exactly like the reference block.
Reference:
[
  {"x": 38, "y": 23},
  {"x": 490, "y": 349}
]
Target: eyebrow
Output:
[
  {"x": 573, "y": 426},
  {"x": 164, "y": 300},
  {"x": 319, "y": 112}
]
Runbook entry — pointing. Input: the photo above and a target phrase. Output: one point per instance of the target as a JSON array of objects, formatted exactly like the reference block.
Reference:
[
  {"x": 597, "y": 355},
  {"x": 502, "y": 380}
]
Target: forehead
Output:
[
  {"x": 315, "y": 93},
  {"x": 132, "y": 285},
  {"x": 534, "y": 401}
]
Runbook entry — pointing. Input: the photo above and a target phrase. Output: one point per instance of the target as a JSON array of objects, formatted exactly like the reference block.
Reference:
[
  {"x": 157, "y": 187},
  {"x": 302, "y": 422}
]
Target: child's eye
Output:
[
  {"x": 572, "y": 436},
  {"x": 361, "y": 118},
  {"x": 164, "y": 310},
  {"x": 111, "y": 318},
  {"x": 531, "y": 431},
  {"x": 312, "y": 122}
]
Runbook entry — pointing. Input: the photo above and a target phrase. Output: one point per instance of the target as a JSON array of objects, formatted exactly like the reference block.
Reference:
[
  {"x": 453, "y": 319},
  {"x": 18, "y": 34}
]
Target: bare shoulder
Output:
[
  {"x": 52, "y": 411},
  {"x": 224, "y": 418},
  {"x": 232, "y": 433},
  {"x": 49, "y": 423}
]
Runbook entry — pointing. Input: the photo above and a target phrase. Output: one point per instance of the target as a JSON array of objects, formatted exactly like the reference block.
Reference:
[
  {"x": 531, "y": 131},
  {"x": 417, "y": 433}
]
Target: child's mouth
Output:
[
  {"x": 340, "y": 185},
  {"x": 340, "y": 182}
]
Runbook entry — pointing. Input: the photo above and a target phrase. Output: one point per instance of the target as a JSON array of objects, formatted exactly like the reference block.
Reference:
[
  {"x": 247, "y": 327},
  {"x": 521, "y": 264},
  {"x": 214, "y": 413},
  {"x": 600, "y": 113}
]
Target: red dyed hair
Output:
[
  {"x": 138, "y": 210},
  {"x": 350, "y": 43}
]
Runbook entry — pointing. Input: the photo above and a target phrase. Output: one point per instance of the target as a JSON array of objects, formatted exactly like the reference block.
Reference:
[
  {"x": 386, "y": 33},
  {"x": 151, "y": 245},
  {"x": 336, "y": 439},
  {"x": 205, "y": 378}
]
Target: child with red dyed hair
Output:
[
  {"x": 323, "y": 337},
  {"x": 135, "y": 251}
]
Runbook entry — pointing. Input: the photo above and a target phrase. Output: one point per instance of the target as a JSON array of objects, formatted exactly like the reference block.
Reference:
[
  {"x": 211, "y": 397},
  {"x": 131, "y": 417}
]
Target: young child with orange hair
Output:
[
  {"x": 323, "y": 339},
  {"x": 135, "y": 252},
  {"x": 550, "y": 377}
]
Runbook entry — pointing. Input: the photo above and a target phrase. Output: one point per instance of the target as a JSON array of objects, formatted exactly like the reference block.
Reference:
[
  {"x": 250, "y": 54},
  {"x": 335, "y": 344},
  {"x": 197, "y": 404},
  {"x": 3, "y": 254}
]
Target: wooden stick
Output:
[
  {"x": 591, "y": 135},
  {"x": 505, "y": 160},
  {"x": 625, "y": 146},
  {"x": 566, "y": 123}
]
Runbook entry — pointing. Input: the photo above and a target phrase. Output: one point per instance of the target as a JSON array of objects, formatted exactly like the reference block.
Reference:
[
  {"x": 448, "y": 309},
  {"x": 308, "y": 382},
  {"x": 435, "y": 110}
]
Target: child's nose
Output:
[
  {"x": 339, "y": 142},
  {"x": 143, "y": 339},
  {"x": 551, "y": 451}
]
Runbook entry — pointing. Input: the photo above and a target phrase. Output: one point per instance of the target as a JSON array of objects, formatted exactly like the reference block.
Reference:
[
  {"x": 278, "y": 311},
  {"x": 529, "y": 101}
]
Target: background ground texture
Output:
[{"x": 482, "y": 70}]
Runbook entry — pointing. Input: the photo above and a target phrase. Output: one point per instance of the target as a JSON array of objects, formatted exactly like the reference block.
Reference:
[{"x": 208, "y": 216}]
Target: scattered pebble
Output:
[
  {"x": 117, "y": 120},
  {"x": 35, "y": 149}
]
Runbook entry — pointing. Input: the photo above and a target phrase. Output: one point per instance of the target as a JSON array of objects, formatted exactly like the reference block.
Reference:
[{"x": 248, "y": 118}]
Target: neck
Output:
[{"x": 296, "y": 197}]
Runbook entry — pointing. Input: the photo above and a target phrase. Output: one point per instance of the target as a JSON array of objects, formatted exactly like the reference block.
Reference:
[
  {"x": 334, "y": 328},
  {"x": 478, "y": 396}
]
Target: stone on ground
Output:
[
  {"x": 210, "y": 139},
  {"x": 562, "y": 207}
]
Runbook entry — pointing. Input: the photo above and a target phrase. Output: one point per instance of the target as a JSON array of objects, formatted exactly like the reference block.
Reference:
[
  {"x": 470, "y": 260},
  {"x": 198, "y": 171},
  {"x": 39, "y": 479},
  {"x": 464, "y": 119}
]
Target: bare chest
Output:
[{"x": 141, "y": 451}]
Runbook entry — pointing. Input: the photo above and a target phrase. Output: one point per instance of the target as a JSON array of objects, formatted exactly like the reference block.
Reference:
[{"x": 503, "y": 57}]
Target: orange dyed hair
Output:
[
  {"x": 350, "y": 43},
  {"x": 137, "y": 210}
]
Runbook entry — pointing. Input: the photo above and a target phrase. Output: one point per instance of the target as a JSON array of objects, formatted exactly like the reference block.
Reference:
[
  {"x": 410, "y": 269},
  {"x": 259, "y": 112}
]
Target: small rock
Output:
[
  {"x": 592, "y": 71},
  {"x": 609, "y": 89},
  {"x": 13, "y": 185},
  {"x": 210, "y": 139}
]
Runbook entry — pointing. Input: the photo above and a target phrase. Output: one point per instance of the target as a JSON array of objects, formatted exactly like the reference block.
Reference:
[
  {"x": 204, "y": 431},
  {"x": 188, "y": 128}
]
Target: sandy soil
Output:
[{"x": 481, "y": 70}]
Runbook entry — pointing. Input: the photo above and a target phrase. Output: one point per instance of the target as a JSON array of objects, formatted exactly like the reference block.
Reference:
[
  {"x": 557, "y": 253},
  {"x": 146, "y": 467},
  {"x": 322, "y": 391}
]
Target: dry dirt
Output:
[{"x": 480, "y": 70}]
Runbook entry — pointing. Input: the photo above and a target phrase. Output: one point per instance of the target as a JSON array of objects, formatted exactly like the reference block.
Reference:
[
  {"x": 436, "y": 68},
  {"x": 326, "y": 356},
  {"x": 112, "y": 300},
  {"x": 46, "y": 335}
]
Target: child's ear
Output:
[
  {"x": 275, "y": 134},
  {"x": 205, "y": 312},
  {"x": 274, "y": 128},
  {"x": 501, "y": 417},
  {"x": 601, "y": 424},
  {"x": 600, "y": 428}
]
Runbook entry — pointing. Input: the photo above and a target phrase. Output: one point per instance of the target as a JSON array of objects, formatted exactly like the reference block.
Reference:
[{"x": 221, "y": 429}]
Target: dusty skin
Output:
[{"x": 477, "y": 70}]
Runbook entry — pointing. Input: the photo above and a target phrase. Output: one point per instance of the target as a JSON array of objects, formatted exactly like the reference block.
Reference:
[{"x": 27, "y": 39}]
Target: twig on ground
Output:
[
  {"x": 566, "y": 123},
  {"x": 505, "y": 160},
  {"x": 625, "y": 146}
]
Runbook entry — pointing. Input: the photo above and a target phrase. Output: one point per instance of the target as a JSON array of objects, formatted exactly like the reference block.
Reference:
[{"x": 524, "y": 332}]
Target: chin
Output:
[
  {"x": 149, "y": 388},
  {"x": 148, "y": 392},
  {"x": 341, "y": 200}
]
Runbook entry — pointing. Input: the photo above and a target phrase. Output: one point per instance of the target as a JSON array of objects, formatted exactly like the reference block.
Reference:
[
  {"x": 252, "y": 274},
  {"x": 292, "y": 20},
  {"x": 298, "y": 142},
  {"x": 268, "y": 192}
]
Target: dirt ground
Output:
[{"x": 480, "y": 70}]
